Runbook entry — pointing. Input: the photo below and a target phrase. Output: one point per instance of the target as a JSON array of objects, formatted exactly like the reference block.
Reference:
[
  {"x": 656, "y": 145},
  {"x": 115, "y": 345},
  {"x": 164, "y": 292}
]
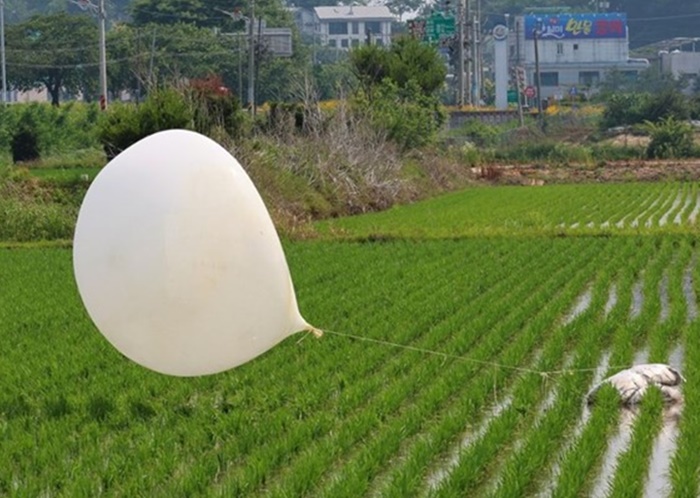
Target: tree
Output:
[
  {"x": 154, "y": 54},
  {"x": 401, "y": 7},
  {"x": 398, "y": 89},
  {"x": 56, "y": 51},
  {"x": 406, "y": 60},
  {"x": 207, "y": 14}
]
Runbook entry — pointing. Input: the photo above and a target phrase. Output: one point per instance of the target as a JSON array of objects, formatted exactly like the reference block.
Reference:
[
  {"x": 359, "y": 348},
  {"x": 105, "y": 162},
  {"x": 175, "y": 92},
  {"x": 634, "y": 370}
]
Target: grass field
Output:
[{"x": 513, "y": 302}]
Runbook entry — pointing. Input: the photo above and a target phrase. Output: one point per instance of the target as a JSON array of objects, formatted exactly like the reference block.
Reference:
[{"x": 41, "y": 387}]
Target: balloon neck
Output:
[{"x": 317, "y": 332}]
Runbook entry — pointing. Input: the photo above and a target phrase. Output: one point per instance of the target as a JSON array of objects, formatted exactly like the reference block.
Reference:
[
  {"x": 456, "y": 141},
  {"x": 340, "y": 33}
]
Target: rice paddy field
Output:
[{"x": 462, "y": 335}]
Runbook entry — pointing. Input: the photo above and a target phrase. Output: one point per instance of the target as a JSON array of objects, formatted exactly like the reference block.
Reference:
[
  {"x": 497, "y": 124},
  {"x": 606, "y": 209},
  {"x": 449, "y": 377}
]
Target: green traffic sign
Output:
[{"x": 439, "y": 26}]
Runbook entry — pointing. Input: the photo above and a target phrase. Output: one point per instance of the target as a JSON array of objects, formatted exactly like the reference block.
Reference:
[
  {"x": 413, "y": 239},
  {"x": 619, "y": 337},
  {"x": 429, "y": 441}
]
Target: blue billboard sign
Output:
[{"x": 576, "y": 26}]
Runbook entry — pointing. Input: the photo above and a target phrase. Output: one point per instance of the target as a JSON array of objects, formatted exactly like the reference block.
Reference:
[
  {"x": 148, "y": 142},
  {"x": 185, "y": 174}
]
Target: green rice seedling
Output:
[
  {"x": 404, "y": 426},
  {"x": 587, "y": 451},
  {"x": 633, "y": 464},
  {"x": 523, "y": 471}
]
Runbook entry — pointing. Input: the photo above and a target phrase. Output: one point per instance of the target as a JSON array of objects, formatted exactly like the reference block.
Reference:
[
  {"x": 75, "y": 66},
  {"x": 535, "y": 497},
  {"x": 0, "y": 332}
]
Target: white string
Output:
[{"x": 541, "y": 373}]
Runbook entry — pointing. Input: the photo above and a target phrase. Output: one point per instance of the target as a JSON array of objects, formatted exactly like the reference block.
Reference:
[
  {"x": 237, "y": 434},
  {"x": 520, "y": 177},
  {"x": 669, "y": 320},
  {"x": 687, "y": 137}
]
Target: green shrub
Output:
[
  {"x": 215, "y": 107},
  {"x": 670, "y": 139},
  {"x": 57, "y": 130},
  {"x": 125, "y": 124},
  {"x": 25, "y": 141},
  {"x": 409, "y": 117},
  {"x": 625, "y": 109},
  {"x": 480, "y": 133}
]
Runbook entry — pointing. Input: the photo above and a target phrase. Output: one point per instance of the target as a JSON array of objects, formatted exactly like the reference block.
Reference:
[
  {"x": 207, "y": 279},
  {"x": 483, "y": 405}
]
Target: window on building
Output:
[
  {"x": 337, "y": 28},
  {"x": 332, "y": 43},
  {"x": 355, "y": 42},
  {"x": 588, "y": 78},
  {"x": 575, "y": 46},
  {"x": 374, "y": 27},
  {"x": 379, "y": 42},
  {"x": 560, "y": 48},
  {"x": 549, "y": 78},
  {"x": 355, "y": 28},
  {"x": 344, "y": 43}
]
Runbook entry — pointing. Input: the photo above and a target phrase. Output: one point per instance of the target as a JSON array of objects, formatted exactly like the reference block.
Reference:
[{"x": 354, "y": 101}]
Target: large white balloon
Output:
[{"x": 177, "y": 260}]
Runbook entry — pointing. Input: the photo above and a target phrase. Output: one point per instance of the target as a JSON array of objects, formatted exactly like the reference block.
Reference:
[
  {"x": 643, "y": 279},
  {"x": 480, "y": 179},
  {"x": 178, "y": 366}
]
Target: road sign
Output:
[
  {"x": 439, "y": 26},
  {"x": 530, "y": 92}
]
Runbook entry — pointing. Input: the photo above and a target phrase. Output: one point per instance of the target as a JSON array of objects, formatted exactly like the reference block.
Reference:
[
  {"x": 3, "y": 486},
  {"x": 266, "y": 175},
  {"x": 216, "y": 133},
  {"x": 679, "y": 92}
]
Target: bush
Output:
[
  {"x": 633, "y": 108},
  {"x": 126, "y": 124},
  {"x": 480, "y": 133},
  {"x": 409, "y": 117},
  {"x": 56, "y": 130},
  {"x": 25, "y": 142},
  {"x": 215, "y": 107},
  {"x": 670, "y": 139}
]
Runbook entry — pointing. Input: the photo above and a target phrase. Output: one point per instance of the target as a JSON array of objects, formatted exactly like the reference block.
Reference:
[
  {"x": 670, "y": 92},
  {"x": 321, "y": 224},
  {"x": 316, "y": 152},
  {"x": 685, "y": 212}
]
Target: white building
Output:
[
  {"x": 349, "y": 26},
  {"x": 575, "y": 51},
  {"x": 682, "y": 59}
]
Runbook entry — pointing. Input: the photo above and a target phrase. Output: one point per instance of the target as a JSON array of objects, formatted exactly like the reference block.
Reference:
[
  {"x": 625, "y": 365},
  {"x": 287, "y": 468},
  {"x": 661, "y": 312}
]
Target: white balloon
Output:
[{"x": 177, "y": 260}]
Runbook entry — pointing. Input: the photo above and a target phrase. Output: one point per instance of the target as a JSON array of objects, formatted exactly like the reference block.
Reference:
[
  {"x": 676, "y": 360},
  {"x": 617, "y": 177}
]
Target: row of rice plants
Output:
[
  {"x": 583, "y": 208},
  {"x": 632, "y": 204},
  {"x": 628, "y": 448},
  {"x": 530, "y": 466},
  {"x": 24, "y": 385},
  {"x": 685, "y": 465},
  {"x": 586, "y": 450},
  {"x": 445, "y": 431},
  {"x": 478, "y": 459},
  {"x": 527, "y": 468},
  {"x": 604, "y": 205},
  {"x": 632, "y": 465},
  {"x": 355, "y": 393},
  {"x": 424, "y": 397},
  {"x": 48, "y": 357}
]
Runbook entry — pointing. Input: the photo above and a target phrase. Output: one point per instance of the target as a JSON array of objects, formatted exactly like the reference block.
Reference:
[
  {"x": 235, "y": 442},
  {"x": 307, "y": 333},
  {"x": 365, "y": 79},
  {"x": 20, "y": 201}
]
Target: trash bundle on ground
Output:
[{"x": 633, "y": 382}]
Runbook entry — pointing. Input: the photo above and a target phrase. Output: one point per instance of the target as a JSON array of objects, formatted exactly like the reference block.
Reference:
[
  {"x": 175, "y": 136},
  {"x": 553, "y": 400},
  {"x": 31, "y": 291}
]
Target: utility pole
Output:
[
  {"x": 103, "y": 56},
  {"x": 460, "y": 53},
  {"x": 476, "y": 41},
  {"x": 101, "y": 17},
  {"x": 536, "y": 35},
  {"x": 2, "y": 51},
  {"x": 251, "y": 58}
]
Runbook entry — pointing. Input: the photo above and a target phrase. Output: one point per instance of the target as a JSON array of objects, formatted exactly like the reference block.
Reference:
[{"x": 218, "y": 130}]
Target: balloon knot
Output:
[{"x": 315, "y": 331}]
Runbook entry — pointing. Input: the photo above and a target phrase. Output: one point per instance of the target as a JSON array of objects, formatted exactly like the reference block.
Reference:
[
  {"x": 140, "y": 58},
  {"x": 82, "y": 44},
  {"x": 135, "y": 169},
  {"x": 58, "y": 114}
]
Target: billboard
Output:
[{"x": 576, "y": 26}]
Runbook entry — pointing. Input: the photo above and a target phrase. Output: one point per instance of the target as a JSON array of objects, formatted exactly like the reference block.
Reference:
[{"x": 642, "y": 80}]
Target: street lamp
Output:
[{"x": 99, "y": 10}]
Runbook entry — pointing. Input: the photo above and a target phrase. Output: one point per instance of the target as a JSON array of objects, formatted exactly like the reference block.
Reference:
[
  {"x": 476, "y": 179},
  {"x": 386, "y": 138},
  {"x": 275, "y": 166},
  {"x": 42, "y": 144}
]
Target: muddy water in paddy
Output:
[
  {"x": 696, "y": 209},
  {"x": 580, "y": 306},
  {"x": 598, "y": 376},
  {"x": 635, "y": 222},
  {"x": 612, "y": 299},
  {"x": 679, "y": 216},
  {"x": 469, "y": 438},
  {"x": 637, "y": 299},
  {"x": 658, "y": 478},
  {"x": 676, "y": 202},
  {"x": 664, "y": 299}
]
